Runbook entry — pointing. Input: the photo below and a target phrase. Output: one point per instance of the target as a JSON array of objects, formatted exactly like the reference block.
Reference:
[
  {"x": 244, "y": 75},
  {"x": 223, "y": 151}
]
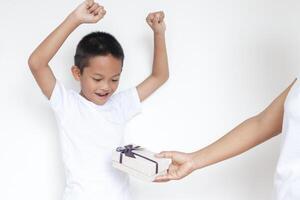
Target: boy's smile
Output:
[{"x": 100, "y": 79}]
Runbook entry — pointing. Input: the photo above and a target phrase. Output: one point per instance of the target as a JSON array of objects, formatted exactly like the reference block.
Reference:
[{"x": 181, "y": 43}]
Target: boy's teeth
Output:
[{"x": 101, "y": 94}]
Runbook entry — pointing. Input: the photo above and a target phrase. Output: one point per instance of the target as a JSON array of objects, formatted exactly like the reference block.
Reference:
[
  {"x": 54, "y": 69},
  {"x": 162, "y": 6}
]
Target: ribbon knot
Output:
[{"x": 127, "y": 150}]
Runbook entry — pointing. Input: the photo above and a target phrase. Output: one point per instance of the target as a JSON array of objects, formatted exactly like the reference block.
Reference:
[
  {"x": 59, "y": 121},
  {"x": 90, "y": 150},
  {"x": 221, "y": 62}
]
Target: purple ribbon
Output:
[{"x": 127, "y": 150}]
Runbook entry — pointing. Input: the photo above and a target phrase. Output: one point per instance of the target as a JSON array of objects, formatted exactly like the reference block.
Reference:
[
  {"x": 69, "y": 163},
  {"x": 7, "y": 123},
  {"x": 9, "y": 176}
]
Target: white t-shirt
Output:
[
  {"x": 89, "y": 133},
  {"x": 287, "y": 176}
]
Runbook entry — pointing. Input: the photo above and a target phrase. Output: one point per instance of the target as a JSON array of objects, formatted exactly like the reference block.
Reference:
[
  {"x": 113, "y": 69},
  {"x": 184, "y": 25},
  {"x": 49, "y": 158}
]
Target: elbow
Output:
[
  {"x": 165, "y": 78},
  {"x": 159, "y": 77},
  {"x": 267, "y": 124},
  {"x": 34, "y": 62},
  {"x": 162, "y": 78}
]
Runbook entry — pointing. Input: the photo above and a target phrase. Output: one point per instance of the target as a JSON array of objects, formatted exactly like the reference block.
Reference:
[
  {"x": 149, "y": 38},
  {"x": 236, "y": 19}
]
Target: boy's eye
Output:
[
  {"x": 115, "y": 80},
  {"x": 97, "y": 79}
]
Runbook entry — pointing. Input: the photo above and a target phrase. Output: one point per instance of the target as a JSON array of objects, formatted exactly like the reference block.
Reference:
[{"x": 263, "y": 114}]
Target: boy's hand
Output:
[
  {"x": 89, "y": 12},
  {"x": 181, "y": 166},
  {"x": 156, "y": 21}
]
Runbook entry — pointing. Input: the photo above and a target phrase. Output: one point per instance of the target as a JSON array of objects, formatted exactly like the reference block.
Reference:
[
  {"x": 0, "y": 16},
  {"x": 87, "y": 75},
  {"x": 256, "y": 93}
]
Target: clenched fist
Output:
[
  {"x": 89, "y": 12},
  {"x": 156, "y": 21}
]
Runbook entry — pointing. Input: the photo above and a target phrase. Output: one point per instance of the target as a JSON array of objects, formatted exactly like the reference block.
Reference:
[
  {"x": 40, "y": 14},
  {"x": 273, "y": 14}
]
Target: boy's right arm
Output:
[
  {"x": 87, "y": 12},
  {"x": 245, "y": 136}
]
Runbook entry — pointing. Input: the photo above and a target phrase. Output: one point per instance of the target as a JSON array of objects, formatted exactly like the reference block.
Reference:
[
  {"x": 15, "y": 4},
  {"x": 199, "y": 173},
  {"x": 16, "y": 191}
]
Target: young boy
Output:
[{"x": 91, "y": 122}]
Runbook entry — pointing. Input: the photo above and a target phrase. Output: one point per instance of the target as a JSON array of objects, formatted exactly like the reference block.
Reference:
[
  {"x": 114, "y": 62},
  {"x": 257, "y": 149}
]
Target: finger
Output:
[
  {"x": 93, "y": 7},
  {"x": 157, "y": 15},
  {"x": 103, "y": 11},
  {"x": 99, "y": 11},
  {"x": 149, "y": 23},
  {"x": 171, "y": 175},
  {"x": 165, "y": 154},
  {"x": 161, "y": 15},
  {"x": 100, "y": 14},
  {"x": 97, "y": 17},
  {"x": 155, "y": 20},
  {"x": 161, "y": 178},
  {"x": 149, "y": 19},
  {"x": 89, "y": 3},
  {"x": 150, "y": 16}
]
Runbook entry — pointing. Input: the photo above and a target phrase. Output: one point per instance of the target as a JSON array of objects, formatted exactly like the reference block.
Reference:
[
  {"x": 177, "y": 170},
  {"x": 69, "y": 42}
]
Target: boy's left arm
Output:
[{"x": 160, "y": 71}]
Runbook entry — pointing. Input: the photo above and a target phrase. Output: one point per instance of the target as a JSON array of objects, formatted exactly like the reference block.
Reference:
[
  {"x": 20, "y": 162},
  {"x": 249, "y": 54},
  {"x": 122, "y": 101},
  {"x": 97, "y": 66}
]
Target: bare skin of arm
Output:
[
  {"x": 87, "y": 12},
  {"x": 160, "y": 71},
  {"x": 245, "y": 136}
]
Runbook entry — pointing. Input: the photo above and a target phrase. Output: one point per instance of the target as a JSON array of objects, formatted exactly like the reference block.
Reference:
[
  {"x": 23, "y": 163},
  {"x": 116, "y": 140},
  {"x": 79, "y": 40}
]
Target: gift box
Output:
[{"x": 139, "y": 162}]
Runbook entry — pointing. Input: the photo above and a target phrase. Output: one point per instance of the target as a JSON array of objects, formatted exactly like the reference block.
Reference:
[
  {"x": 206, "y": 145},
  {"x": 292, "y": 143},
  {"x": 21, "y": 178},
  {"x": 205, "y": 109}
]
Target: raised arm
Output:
[
  {"x": 160, "y": 71},
  {"x": 87, "y": 12},
  {"x": 248, "y": 134}
]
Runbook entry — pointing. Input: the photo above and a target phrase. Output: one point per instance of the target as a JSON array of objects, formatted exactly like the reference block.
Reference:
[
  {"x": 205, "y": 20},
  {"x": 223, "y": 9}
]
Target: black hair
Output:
[{"x": 97, "y": 44}]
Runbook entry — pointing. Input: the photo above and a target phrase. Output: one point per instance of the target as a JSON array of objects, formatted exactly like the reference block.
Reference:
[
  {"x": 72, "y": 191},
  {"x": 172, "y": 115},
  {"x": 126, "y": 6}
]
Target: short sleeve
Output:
[
  {"x": 59, "y": 98},
  {"x": 128, "y": 103}
]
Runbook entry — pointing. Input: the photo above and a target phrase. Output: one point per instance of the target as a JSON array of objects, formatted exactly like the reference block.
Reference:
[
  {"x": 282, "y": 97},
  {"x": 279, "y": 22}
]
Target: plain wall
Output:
[{"x": 228, "y": 60}]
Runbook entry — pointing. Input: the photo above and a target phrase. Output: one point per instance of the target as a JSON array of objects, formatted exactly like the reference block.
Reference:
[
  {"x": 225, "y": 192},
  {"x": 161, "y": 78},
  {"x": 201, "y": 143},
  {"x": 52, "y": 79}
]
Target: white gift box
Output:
[{"x": 139, "y": 162}]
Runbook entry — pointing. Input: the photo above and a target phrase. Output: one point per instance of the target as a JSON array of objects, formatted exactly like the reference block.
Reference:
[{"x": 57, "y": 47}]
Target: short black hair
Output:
[{"x": 97, "y": 44}]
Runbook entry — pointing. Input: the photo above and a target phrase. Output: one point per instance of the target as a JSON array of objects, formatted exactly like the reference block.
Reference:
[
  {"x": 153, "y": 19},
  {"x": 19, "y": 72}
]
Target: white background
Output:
[{"x": 228, "y": 60}]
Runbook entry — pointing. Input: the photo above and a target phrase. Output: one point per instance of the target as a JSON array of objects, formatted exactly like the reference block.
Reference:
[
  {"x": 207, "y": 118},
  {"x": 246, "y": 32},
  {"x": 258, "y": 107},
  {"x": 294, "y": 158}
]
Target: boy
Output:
[{"x": 91, "y": 122}]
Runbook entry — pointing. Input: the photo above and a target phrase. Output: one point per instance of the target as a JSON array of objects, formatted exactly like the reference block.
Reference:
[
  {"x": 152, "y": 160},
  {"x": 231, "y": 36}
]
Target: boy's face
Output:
[{"x": 100, "y": 79}]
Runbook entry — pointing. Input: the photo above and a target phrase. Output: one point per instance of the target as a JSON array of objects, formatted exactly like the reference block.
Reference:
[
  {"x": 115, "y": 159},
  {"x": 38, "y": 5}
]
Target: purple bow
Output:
[{"x": 127, "y": 150}]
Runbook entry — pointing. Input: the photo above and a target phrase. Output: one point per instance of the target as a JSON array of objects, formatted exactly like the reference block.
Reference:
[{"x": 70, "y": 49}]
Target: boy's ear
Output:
[{"x": 76, "y": 72}]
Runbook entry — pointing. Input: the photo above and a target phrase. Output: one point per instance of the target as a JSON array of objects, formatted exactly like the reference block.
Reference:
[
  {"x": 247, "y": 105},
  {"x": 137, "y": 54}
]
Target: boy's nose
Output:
[{"x": 104, "y": 86}]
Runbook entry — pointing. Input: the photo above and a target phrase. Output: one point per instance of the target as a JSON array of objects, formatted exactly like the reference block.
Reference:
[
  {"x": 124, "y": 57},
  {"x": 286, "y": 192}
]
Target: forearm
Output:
[
  {"x": 49, "y": 47},
  {"x": 160, "y": 61},
  {"x": 242, "y": 138}
]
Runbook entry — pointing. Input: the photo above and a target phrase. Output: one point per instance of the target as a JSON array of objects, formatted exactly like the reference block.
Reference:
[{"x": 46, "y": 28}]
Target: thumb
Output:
[
  {"x": 165, "y": 154},
  {"x": 89, "y": 3}
]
